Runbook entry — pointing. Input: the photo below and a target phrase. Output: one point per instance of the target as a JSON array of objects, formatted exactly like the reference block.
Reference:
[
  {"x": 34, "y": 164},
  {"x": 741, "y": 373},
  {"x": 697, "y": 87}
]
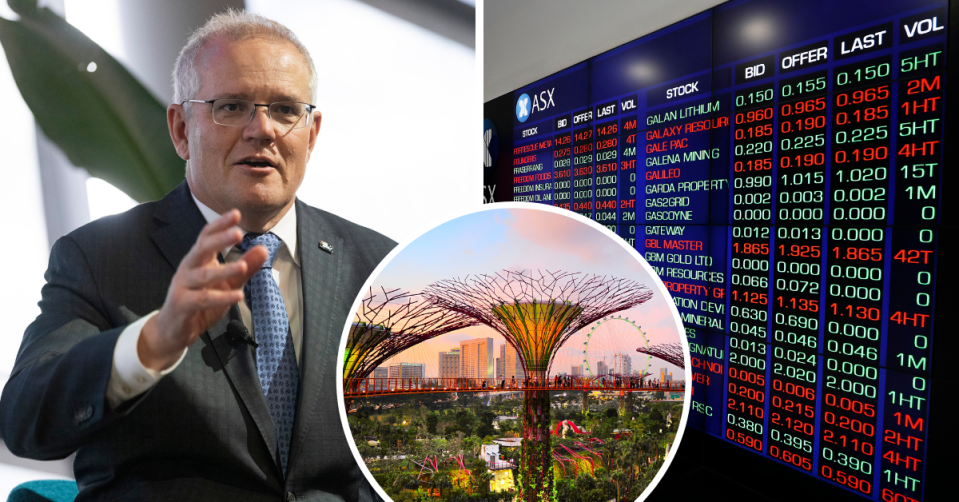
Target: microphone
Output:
[{"x": 238, "y": 333}]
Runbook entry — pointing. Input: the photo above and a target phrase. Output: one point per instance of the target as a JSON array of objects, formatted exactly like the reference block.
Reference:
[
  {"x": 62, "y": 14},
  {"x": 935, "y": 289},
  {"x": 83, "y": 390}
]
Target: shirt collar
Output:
[{"x": 285, "y": 229}]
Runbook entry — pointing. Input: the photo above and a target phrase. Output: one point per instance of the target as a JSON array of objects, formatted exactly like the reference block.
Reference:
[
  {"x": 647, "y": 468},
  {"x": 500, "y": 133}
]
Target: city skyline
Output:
[
  {"x": 665, "y": 376},
  {"x": 433, "y": 361}
]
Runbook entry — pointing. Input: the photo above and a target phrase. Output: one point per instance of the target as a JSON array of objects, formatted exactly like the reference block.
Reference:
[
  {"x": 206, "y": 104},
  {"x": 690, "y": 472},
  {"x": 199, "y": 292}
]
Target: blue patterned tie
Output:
[{"x": 275, "y": 359}]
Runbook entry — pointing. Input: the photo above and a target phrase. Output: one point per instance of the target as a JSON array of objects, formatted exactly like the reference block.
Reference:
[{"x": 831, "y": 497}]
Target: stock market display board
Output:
[{"x": 779, "y": 163}]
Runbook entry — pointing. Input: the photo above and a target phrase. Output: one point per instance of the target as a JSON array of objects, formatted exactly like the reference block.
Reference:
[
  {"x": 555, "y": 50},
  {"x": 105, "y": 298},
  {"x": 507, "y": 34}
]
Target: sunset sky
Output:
[{"x": 517, "y": 239}]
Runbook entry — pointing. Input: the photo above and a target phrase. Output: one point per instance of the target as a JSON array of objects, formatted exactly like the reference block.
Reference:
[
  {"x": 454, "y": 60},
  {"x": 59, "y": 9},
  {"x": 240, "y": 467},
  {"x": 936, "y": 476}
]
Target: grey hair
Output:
[{"x": 235, "y": 25}]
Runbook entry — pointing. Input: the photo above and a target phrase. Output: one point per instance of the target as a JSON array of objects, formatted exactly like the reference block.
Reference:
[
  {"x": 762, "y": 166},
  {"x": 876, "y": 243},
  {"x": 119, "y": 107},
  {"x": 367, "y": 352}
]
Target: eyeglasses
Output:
[{"x": 239, "y": 112}]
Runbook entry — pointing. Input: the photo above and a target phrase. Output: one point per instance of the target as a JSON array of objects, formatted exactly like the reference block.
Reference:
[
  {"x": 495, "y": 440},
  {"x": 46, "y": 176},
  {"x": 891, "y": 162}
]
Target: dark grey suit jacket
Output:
[{"x": 204, "y": 431}]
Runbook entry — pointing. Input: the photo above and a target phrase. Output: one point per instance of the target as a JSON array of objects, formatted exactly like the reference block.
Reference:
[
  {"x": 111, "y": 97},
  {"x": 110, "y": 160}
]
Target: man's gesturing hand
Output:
[{"x": 202, "y": 291}]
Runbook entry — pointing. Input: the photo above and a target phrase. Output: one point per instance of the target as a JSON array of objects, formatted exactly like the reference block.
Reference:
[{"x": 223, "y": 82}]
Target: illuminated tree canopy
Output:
[
  {"x": 390, "y": 322},
  {"x": 669, "y": 352},
  {"x": 537, "y": 312}
]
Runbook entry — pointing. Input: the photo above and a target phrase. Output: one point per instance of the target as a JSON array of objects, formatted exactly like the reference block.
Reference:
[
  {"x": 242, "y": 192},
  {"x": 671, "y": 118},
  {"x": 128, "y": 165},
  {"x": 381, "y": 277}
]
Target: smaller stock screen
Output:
[{"x": 779, "y": 164}]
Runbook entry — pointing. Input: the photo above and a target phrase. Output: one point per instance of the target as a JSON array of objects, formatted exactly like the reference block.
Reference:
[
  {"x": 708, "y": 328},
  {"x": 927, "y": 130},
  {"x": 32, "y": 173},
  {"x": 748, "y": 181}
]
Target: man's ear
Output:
[
  {"x": 176, "y": 122},
  {"x": 314, "y": 132}
]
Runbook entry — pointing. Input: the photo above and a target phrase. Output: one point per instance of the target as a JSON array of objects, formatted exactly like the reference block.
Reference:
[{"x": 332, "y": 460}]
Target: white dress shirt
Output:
[{"x": 129, "y": 378}]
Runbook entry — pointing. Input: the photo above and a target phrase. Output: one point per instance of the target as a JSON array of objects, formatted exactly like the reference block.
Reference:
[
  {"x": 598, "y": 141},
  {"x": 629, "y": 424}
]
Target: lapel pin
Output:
[{"x": 326, "y": 246}]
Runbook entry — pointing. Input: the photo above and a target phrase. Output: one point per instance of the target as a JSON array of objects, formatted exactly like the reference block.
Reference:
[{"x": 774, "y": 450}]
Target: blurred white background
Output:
[{"x": 397, "y": 147}]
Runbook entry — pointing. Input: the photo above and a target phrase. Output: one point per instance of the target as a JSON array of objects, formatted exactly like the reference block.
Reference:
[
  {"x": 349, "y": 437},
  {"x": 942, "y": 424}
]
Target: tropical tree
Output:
[
  {"x": 105, "y": 121},
  {"x": 431, "y": 420}
]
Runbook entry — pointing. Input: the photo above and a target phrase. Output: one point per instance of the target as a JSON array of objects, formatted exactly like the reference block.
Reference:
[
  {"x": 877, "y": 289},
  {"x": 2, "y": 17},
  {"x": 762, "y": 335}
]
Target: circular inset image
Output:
[{"x": 518, "y": 352}]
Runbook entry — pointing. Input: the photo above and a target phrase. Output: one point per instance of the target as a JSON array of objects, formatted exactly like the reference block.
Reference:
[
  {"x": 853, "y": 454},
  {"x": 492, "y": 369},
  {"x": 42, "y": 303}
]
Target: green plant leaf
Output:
[{"x": 105, "y": 121}]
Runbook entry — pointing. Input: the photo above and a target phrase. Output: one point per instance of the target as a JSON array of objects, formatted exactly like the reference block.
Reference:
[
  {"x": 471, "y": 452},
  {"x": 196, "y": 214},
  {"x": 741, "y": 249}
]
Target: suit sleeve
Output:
[{"x": 55, "y": 398}]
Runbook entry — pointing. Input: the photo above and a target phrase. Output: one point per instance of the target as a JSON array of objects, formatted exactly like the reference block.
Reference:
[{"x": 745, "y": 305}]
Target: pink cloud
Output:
[{"x": 563, "y": 233}]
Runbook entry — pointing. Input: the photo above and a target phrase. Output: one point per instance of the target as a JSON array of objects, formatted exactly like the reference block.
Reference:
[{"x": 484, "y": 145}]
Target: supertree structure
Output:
[
  {"x": 536, "y": 313},
  {"x": 670, "y": 352},
  {"x": 390, "y": 322}
]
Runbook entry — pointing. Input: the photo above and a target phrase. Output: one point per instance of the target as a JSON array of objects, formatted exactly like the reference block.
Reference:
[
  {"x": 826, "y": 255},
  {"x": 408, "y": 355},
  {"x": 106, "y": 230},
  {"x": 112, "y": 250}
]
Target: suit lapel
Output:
[
  {"x": 239, "y": 364},
  {"x": 319, "y": 271},
  {"x": 178, "y": 223}
]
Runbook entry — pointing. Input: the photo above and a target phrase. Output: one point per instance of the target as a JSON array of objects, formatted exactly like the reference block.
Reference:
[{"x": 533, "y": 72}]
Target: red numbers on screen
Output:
[
  {"x": 880, "y": 112},
  {"x": 743, "y": 439},
  {"x": 859, "y": 254},
  {"x": 862, "y": 96}
]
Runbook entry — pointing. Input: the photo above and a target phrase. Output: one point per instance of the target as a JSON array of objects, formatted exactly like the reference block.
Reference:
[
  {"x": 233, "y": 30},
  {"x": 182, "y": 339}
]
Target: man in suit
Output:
[{"x": 134, "y": 362}]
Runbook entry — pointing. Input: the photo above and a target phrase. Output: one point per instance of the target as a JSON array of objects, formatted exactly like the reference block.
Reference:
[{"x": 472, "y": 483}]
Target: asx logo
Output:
[
  {"x": 525, "y": 106},
  {"x": 490, "y": 144}
]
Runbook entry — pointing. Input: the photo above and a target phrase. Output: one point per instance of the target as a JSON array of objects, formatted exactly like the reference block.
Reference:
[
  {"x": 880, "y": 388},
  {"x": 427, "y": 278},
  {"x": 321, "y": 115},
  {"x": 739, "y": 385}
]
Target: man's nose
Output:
[{"x": 261, "y": 127}]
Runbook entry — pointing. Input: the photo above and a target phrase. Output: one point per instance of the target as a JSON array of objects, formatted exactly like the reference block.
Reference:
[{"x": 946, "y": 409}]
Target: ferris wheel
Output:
[{"x": 611, "y": 336}]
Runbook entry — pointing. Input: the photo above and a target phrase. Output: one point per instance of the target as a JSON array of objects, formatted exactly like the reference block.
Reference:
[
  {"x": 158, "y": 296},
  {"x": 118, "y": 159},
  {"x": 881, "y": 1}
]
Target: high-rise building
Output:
[
  {"x": 601, "y": 368},
  {"x": 664, "y": 376},
  {"x": 514, "y": 366},
  {"x": 450, "y": 364},
  {"x": 622, "y": 364},
  {"x": 407, "y": 370},
  {"x": 501, "y": 362},
  {"x": 476, "y": 358},
  {"x": 576, "y": 371},
  {"x": 380, "y": 373}
]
